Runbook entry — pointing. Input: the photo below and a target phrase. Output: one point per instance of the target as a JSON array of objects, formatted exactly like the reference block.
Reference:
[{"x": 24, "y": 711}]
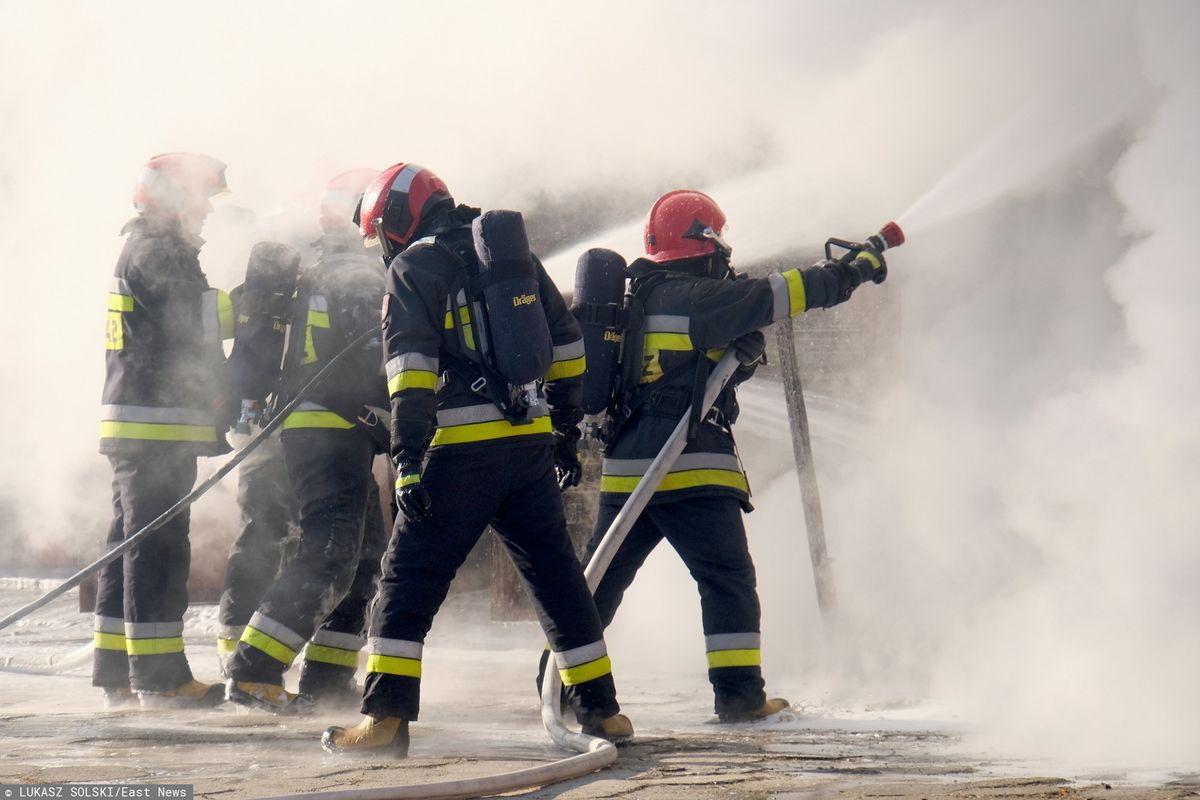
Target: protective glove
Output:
[
  {"x": 870, "y": 265},
  {"x": 566, "y": 457},
  {"x": 411, "y": 497},
  {"x": 751, "y": 350}
]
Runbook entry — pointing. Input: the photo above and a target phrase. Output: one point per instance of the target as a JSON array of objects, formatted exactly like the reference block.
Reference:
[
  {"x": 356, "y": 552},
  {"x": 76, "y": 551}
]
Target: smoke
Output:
[{"x": 1011, "y": 529}]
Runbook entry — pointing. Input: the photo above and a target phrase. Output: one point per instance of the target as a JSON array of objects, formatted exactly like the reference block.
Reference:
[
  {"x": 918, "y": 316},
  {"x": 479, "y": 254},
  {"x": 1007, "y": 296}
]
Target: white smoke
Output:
[{"x": 1014, "y": 535}]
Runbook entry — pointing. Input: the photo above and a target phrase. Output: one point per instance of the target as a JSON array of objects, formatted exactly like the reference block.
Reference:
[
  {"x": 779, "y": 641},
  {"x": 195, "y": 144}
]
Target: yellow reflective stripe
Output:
[
  {"x": 114, "y": 331},
  {"x": 271, "y": 646},
  {"x": 225, "y": 320},
  {"x": 687, "y": 479},
  {"x": 157, "y": 431},
  {"x": 331, "y": 655},
  {"x": 565, "y": 369},
  {"x": 407, "y": 480},
  {"x": 412, "y": 379},
  {"x": 154, "y": 647},
  {"x": 482, "y": 431},
  {"x": 394, "y": 665},
  {"x": 667, "y": 341},
  {"x": 734, "y": 658},
  {"x": 867, "y": 255},
  {"x": 469, "y": 337},
  {"x": 119, "y": 302},
  {"x": 464, "y": 316},
  {"x": 715, "y": 353},
  {"x": 573, "y": 676},
  {"x": 797, "y": 300},
  {"x": 316, "y": 319},
  {"x": 109, "y": 641},
  {"x": 316, "y": 419},
  {"x": 226, "y": 647}
]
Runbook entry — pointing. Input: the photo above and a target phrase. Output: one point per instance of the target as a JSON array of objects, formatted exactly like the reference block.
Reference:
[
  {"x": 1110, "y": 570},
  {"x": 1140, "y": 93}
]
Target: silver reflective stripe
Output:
[
  {"x": 232, "y": 632},
  {"x": 172, "y": 416},
  {"x": 153, "y": 630},
  {"x": 484, "y": 412},
  {"x": 783, "y": 300},
  {"x": 317, "y": 303},
  {"x": 307, "y": 406},
  {"x": 687, "y": 461},
  {"x": 580, "y": 655},
  {"x": 732, "y": 641},
  {"x": 109, "y": 625},
  {"x": 427, "y": 240},
  {"x": 411, "y": 361},
  {"x": 280, "y": 633},
  {"x": 667, "y": 323},
  {"x": 209, "y": 324},
  {"x": 405, "y": 177},
  {"x": 397, "y": 648},
  {"x": 119, "y": 286},
  {"x": 566, "y": 352},
  {"x": 461, "y": 297},
  {"x": 342, "y": 641}
]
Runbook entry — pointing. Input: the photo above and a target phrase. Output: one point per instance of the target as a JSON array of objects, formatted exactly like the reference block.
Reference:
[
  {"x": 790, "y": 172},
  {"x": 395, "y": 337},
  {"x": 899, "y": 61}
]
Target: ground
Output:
[{"x": 480, "y": 717}]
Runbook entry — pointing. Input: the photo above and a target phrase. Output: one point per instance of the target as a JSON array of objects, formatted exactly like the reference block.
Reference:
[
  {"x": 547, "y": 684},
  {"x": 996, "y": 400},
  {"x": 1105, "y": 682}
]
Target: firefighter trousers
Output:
[
  {"x": 268, "y": 508},
  {"x": 514, "y": 489},
  {"x": 322, "y": 592},
  {"x": 141, "y": 597},
  {"x": 708, "y": 534}
]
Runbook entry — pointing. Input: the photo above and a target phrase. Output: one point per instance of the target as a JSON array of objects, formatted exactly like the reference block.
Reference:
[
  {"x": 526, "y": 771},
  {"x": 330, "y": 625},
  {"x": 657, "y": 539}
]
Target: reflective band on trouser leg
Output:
[
  {"x": 332, "y": 647},
  {"x": 395, "y": 657},
  {"x": 733, "y": 650},
  {"x": 227, "y": 638},
  {"x": 691, "y": 470},
  {"x": 583, "y": 664},
  {"x": 109, "y": 633},
  {"x": 788, "y": 291},
  {"x": 278, "y": 641},
  {"x": 153, "y": 638}
]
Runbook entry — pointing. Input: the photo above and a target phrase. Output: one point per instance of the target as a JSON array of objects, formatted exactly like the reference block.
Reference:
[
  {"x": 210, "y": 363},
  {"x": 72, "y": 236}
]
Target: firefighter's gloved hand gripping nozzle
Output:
[{"x": 865, "y": 259}]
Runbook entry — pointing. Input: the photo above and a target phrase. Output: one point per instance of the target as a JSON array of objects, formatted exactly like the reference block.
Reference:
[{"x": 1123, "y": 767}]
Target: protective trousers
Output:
[
  {"x": 331, "y": 577},
  {"x": 513, "y": 489},
  {"x": 709, "y": 536},
  {"x": 268, "y": 507},
  {"x": 141, "y": 597}
]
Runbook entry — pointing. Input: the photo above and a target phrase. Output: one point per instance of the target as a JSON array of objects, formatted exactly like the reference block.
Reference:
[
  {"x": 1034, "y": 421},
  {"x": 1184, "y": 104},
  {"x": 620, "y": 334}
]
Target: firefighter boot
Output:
[
  {"x": 616, "y": 729},
  {"x": 192, "y": 694},
  {"x": 119, "y": 696},
  {"x": 267, "y": 697},
  {"x": 769, "y": 707},
  {"x": 374, "y": 733}
]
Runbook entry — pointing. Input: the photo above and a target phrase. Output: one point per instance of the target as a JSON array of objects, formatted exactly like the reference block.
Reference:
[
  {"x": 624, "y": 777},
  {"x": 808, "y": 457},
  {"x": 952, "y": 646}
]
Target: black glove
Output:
[
  {"x": 411, "y": 496},
  {"x": 751, "y": 350},
  {"x": 566, "y": 457}
]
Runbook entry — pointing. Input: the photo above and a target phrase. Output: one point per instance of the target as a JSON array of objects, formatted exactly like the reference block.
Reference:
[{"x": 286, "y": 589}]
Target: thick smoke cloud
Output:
[{"x": 1012, "y": 528}]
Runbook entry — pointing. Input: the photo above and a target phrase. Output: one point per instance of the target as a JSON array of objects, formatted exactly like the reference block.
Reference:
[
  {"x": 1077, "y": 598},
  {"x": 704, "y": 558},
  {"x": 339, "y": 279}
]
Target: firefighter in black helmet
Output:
[
  {"x": 162, "y": 407},
  {"x": 462, "y": 464},
  {"x": 319, "y": 601},
  {"x": 695, "y": 308}
]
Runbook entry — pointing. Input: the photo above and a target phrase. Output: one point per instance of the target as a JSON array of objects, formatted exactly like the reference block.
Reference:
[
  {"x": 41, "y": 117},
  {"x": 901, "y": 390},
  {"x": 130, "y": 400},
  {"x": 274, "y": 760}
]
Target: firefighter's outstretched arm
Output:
[
  {"x": 412, "y": 345},
  {"x": 564, "y": 381}
]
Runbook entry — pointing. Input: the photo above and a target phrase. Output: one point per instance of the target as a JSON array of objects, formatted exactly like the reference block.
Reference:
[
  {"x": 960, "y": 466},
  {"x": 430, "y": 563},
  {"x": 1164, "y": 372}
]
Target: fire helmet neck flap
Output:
[
  {"x": 179, "y": 184},
  {"x": 685, "y": 224},
  {"x": 396, "y": 203},
  {"x": 340, "y": 199}
]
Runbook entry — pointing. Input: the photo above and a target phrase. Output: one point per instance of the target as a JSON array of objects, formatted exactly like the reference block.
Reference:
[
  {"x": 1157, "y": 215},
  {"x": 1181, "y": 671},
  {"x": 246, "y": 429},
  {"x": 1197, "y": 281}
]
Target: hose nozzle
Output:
[{"x": 889, "y": 235}]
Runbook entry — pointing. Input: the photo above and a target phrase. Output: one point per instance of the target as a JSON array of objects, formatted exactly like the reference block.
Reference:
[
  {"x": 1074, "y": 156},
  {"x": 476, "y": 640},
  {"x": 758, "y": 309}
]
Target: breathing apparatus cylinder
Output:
[
  {"x": 512, "y": 306},
  {"x": 599, "y": 307}
]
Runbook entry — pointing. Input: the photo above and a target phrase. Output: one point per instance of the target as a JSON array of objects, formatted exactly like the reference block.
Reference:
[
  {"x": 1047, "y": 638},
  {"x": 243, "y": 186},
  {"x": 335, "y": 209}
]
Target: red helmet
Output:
[
  {"x": 684, "y": 224},
  {"x": 178, "y": 182},
  {"x": 397, "y": 201},
  {"x": 341, "y": 196}
]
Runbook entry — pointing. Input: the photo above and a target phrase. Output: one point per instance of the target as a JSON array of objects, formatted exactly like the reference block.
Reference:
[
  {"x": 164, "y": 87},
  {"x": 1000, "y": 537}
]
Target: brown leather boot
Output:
[
  {"x": 616, "y": 729},
  {"x": 769, "y": 707},
  {"x": 268, "y": 697},
  {"x": 192, "y": 694},
  {"x": 384, "y": 735}
]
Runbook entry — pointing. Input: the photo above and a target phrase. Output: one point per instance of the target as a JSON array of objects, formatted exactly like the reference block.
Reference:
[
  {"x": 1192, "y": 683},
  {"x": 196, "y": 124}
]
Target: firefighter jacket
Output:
[
  {"x": 688, "y": 318},
  {"x": 429, "y": 366},
  {"x": 337, "y": 300},
  {"x": 164, "y": 357}
]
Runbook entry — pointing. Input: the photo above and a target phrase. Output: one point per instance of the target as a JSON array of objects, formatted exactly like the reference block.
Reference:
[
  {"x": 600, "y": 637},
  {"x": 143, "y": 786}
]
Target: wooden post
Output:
[{"x": 810, "y": 495}]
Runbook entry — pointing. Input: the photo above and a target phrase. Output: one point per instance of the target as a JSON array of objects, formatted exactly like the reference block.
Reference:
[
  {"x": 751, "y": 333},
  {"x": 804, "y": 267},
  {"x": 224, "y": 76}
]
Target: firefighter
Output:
[
  {"x": 162, "y": 407},
  {"x": 268, "y": 505},
  {"x": 462, "y": 464},
  {"x": 695, "y": 308},
  {"x": 329, "y": 443}
]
